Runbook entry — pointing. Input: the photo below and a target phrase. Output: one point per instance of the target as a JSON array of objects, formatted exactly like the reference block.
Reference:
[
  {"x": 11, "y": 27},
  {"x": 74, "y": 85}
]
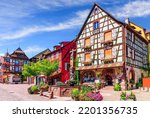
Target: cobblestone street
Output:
[{"x": 18, "y": 92}]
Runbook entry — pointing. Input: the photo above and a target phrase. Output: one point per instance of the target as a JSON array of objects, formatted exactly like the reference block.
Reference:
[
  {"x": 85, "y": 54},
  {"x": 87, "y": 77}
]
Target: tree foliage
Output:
[
  {"x": 44, "y": 67},
  {"x": 146, "y": 70}
]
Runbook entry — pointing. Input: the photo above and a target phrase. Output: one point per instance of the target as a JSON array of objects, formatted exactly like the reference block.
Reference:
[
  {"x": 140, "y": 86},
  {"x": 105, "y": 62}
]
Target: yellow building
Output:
[
  {"x": 138, "y": 29},
  {"x": 148, "y": 35},
  {"x": 148, "y": 38}
]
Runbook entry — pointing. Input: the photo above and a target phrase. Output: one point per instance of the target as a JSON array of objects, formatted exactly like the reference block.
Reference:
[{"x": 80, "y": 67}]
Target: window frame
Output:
[
  {"x": 98, "y": 25},
  {"x": 105, "y": 54},
  {"x": 106, "y": 40}
]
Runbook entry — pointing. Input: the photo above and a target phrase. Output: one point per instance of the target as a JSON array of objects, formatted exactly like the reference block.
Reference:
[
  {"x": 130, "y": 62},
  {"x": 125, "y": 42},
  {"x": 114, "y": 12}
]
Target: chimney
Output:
[{"x": 127, "y": 21}]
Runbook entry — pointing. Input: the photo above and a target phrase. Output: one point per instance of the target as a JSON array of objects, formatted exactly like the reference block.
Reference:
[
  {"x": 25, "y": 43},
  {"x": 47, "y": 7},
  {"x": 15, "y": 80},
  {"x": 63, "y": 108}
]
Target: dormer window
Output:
[
  {"x": 62, "y": 45},
  {"x": 96, "y": 25}
]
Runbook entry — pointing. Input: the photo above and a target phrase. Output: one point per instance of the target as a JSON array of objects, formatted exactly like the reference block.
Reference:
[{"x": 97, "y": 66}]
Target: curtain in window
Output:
[
  {"x": 108, "y": 53},
  {"x": 108, "y": 36},
  {"x": 87, "y": 57},
  {"x": 87, "y": 42}
]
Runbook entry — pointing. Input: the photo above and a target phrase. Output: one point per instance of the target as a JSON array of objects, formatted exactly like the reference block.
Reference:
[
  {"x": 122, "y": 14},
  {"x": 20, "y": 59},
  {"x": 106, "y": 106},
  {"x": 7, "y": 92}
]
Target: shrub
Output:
[
  {"x": 30, "y": 91},
  {"x": 75, "y": 93},
  {"x": 98, "y": 85},
  {"x": 140, "y": 82},
  {"x": 117, "y": 87},
  {"x": 41, "y": 84},
  {"x": 34, "y": 88},
  {"x": 137, "y": 85},
  {"x": 44, "y": 86},
  {"x": 85, "y": 89},
  {"x": 72, "y": 82},
  {"x": 123, "y": 96},
  {"x": 82, "y": 97},
  {"x": 59, "y": 83},
  {"x": 95, "y": 96},
  {"x": 132, "y": 96},
  {"x": 87, "y": 98}
]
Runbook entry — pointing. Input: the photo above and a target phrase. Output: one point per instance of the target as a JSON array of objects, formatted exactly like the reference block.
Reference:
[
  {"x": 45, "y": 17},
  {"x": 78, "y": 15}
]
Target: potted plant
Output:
[
  {"x": 95, "y": 96},
  {"x": 35, "y": 89},
  {"x": 132, "y": 96},
  {"x": 117, "y": 87},
  {"x": 123, "y": 96},
  {"x": 72, "y": 82},
  {"x": 59, "y": 83},
  {"x": 44, "y": 87},
  {"x": 75, "y": 93},
  {"x": 98, "y": 85}
]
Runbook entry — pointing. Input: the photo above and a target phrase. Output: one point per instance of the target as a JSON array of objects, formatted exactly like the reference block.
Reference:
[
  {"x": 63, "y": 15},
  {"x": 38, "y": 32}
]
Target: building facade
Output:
[
  {"x": 110, "y": 50},
  {"x": 39, "y": 56},
  {"x": 12, "y": 65},
  {"x": 62, "y": 53}
]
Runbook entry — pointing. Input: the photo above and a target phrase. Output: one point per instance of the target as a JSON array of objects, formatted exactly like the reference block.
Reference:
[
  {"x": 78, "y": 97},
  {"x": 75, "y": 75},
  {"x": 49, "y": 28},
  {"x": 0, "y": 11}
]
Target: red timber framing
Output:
[{"x": 109, "y": 44}]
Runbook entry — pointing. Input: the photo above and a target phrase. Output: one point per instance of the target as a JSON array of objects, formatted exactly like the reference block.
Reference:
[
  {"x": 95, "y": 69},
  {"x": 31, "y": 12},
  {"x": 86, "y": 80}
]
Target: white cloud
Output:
[
  {"x": 46, "y": 4},
  {"x": 33, "y": 49},
  {"x": 2, "y": 54},
  {"x": 137, "y": 8},
  {"x": 73, "y": 22}
]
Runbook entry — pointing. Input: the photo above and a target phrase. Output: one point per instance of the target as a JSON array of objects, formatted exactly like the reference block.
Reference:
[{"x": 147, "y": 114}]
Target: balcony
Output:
[{"x": 87, "y": 48}]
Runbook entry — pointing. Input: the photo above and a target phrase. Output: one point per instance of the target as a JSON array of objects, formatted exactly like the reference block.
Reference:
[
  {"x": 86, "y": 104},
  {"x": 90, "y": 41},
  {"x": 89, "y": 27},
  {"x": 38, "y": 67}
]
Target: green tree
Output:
[
  {"x": 31, "y": 69},
  {"x": 41, "y": 67},
  {"x": 76, "y": 73},
  {"x": 146, "y": 70},
  {"x": 46, "y": 67}
]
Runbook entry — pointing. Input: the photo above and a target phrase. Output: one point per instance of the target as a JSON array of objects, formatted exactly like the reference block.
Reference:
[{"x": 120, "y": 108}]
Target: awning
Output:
[{"x": 111, "y": 65}]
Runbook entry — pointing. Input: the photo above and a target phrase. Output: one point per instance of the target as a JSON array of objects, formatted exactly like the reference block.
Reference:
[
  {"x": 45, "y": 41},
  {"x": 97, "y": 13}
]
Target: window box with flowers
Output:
[
  {"x": 89, "y": 62},
  {"x": 87, "y": 48},
  {"x": 108, "y": 60}
]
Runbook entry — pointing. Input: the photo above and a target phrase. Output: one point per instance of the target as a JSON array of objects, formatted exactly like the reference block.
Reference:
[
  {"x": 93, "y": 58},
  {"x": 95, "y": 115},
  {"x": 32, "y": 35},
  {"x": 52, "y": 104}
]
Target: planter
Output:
[
  {"x": 127, "y": 100},
  {"x": 71, "y": 84},
  {"x": 36, "y": 92},
  {"x": 44, "y": 89},
  {"x": 76, "y": 98}
]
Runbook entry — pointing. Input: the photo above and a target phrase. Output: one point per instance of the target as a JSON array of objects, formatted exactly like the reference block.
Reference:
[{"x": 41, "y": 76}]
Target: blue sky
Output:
[{"x": 39, "y": 24}]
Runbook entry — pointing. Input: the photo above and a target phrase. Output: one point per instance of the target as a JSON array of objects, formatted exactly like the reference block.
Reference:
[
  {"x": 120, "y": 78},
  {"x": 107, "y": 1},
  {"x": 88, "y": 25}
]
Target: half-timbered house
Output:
[
  {"x": 109, "y": 50},
  {"x": 12, "y": 65}
]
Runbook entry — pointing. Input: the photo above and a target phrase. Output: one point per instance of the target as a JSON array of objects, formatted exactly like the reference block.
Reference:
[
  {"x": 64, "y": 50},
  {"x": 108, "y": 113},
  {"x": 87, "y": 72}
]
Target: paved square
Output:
[{"x": 18, "y": 92}]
